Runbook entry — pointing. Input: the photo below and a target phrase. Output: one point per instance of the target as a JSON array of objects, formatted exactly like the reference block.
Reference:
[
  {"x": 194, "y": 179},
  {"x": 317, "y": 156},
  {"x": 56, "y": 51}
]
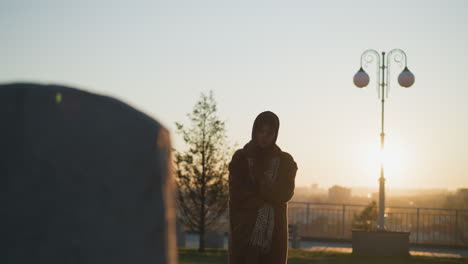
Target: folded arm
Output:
[
  {"x": 282, "y": 189},
  {"x": 243, "y": 193}
]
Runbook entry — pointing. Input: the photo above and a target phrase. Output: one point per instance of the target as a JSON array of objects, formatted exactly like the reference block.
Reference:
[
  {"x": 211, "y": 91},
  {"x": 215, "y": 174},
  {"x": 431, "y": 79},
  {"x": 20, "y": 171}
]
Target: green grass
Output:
[
  {"x": 297, "y": 256},
  {"x": 211, "y": 256}
]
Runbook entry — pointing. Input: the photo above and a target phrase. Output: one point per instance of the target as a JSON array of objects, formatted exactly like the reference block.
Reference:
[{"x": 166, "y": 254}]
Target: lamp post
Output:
[{"x": 361, "y": 79}]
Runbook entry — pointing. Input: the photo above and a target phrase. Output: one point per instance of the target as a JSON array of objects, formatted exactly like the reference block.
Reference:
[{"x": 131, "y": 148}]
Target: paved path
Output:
[
  {"x": 347, "y": 248},
  {"x": 192, "y": 242}
]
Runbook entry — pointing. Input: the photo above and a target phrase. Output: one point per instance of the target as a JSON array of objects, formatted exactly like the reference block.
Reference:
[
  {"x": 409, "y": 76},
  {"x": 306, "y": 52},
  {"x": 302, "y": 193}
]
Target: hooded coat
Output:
[{"x": 261, "y": 182}]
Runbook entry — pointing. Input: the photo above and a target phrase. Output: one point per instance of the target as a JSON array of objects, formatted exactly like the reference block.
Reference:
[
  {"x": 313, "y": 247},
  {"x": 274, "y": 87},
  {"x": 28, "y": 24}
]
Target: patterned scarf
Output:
[{"x": 261, "y": 236}]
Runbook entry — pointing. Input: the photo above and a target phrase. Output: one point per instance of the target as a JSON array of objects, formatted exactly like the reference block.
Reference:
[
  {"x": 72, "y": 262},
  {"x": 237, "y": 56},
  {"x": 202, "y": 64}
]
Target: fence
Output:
[{"x": 426, "y": 225}]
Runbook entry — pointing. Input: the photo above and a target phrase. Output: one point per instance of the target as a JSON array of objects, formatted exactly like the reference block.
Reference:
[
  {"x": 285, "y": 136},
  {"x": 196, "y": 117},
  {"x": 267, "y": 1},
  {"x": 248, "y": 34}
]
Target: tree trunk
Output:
[
  {"x": 201, "y": 247},
  {"x": 201, "y": 240}
]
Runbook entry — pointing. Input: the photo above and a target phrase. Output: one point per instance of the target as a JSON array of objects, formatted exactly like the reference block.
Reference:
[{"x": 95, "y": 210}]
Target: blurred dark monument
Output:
[{"x": 85, "y": 179}]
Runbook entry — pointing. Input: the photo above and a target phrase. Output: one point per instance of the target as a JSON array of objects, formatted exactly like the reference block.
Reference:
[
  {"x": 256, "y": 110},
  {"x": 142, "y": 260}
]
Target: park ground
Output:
[{"x": 301, "y": 256}]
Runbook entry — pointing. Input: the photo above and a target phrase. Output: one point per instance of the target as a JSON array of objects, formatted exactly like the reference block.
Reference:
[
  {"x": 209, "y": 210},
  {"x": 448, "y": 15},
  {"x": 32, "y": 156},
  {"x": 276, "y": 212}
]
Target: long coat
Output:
[{"x": 247, "y": 195}]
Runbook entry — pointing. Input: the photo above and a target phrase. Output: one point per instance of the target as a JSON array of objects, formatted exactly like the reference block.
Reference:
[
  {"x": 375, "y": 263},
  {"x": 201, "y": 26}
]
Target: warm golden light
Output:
[
  {"x": 391, "y": 158},
  {"x": 394, "y": 160}
]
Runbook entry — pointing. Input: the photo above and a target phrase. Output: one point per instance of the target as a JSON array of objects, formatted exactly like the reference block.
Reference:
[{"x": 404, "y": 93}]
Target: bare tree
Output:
[{"x": 201, "y": 170}]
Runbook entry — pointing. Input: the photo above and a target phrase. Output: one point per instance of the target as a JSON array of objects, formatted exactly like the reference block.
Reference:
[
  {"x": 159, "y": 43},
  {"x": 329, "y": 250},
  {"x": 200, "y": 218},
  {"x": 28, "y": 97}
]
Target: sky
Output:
[{"x": 295, "y": 58}]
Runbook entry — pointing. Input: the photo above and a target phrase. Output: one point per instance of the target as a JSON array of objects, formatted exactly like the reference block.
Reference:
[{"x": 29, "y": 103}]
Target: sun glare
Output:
[{"x": 393, "y": 158}]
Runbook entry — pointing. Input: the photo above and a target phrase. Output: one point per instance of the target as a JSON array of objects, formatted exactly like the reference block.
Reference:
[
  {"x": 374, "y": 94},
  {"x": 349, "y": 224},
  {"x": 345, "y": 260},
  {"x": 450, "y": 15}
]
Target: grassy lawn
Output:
[{"x": 296, "y": 256}]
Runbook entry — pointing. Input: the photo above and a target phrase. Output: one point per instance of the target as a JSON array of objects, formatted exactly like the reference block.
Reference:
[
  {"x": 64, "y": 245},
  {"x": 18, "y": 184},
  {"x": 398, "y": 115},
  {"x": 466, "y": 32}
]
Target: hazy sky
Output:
[{"x": 296, "y": 58}]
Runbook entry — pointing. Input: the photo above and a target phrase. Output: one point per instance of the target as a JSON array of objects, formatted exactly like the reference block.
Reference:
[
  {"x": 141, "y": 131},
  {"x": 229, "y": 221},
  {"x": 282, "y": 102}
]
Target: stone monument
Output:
[{"x": 85, "y": 179}]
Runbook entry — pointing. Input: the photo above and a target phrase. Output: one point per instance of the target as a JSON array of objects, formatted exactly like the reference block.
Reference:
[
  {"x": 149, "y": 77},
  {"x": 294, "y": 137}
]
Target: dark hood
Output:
[
  {"x": 252, "y": 148},
  {"x": 268, "y": 118}
]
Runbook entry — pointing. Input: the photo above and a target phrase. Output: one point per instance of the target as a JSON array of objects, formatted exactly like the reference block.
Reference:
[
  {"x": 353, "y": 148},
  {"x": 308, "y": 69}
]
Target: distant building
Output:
[
  {"x": 459, "y": 200},
  {"x": 462, "y": 198},
  {"x": 463, "y": 193},
  {"x": 339, "y": 194}
]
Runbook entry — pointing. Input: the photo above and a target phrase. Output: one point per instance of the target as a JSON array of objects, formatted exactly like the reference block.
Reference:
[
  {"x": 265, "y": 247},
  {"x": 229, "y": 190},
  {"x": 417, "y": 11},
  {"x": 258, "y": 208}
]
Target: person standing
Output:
[{"x": 261, "y": 182}]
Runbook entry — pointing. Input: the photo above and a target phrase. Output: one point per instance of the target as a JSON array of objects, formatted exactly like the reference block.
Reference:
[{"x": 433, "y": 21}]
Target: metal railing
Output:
[{"x": 426, "y": 225}]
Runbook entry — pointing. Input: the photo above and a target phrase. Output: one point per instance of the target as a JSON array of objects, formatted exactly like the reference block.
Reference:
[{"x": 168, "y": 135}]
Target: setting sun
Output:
[{"x": 393, "y": 157}]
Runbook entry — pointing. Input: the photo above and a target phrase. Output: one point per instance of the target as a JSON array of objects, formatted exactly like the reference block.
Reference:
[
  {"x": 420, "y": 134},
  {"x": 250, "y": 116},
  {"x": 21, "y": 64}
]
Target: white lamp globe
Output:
[
  {"x": 406, "y": 78},
  {"x": 361, "y": 78}
]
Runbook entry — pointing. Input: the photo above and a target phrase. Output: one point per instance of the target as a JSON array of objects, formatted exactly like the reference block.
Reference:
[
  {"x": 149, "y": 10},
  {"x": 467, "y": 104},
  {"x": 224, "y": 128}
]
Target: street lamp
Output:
[{"x": 361, "y": 79}]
